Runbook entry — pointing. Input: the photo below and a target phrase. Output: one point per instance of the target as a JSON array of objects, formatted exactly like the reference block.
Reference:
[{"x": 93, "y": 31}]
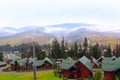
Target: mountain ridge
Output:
[{"x": 44, "y": 34}]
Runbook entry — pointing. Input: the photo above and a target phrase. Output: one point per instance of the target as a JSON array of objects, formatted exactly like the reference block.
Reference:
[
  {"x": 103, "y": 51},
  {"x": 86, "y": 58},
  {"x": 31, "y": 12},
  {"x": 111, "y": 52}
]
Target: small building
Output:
[
  {"x": 111, "y": 68},
  {"x": 68, "y": 68},
  {"x": 22, "y": 64},
  {"x": 12, "y": 58},
  {"x": 2, "y": 64},
  {"x": 100, "y": 59},
  {"x": 94, "y": 62},
  {"x": 84, "y": 68},
  {"x": 44, "y": 64}
]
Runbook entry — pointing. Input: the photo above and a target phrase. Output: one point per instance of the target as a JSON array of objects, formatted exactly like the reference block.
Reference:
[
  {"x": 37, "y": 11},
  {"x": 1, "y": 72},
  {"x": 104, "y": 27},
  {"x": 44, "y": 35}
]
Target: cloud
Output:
[{"x": 20, "y": 13}]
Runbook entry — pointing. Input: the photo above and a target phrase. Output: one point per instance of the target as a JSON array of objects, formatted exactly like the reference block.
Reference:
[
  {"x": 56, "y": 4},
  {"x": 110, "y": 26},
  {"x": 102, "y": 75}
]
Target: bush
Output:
[
  {"x": 55, "y": 73},
  {"x": 97, "y": 76}
]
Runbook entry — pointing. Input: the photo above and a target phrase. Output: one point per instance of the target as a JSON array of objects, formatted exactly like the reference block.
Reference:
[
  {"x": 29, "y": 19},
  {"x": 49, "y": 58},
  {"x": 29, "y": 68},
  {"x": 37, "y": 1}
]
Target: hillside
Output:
[{"x": 70, "y": 31}]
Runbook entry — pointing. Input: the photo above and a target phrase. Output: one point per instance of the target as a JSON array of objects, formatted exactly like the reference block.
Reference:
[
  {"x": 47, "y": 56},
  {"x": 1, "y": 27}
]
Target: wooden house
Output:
[
  {"x": 2, "y": 64},
  {"x": 12, "y": 58},
  {"x": 84, "y": 68},
  {"x": 22, "y": 64},
  {"x": 44, "y": 64},
  {"x": 100, "y": 59},
  {"x": 68, "y": 68},
  {"x": 76, "y": 69},
  {"x": 94, "y": 62},
  {"x": 111, "y": 68}
]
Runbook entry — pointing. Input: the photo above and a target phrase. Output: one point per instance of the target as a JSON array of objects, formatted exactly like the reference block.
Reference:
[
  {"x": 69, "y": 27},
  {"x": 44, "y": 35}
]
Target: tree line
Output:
[{"x": 62, "y": 49}]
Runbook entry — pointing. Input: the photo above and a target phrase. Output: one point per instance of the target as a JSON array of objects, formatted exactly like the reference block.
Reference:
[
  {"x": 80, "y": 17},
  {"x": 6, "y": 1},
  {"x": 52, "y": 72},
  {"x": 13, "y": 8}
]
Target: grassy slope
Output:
[{"x": 40, "y": 76}]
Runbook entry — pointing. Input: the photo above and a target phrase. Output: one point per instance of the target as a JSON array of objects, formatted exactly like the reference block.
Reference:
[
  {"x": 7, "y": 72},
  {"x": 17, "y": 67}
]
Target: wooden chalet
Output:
[
  {"x": 94, "y": 62},
  {"x": 12, "y": 58},
  {"x": 100, "y": 59},
  {"x": 44, "y": 64},
  {"x": 2, "y": 64},
  {"x": 22, "y": 64},
  {"x": 84, "y": 68},
  {"x": 68, "y": 68},
  {"x": 76, "y": 69},
  {"x": 111, "y": 68}
]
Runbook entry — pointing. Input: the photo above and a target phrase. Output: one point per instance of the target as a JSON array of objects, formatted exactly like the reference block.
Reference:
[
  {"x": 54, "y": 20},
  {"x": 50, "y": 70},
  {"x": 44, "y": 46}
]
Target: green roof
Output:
[
  {"x": 84, "y": 60},
  {"x": 39, "y": 62},
  {"x": 69, "y": 58},
  {"x": 67, "y": 64},
  {"x": 2, "y": 63},
  {"x": 109, "y": 64},
  {"x": 21, "y": 62},
  {"x": 49, "y": 60},
  {"x": 13, "y": 58},
  {"x": 96, "y": 62}
]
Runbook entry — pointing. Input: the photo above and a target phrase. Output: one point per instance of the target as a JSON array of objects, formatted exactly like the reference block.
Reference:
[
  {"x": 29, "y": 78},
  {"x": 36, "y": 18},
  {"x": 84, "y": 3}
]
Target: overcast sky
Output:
[{"x": 20, "y": 13}]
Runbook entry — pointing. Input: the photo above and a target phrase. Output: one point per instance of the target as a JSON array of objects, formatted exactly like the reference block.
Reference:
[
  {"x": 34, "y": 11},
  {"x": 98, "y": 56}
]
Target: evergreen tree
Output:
[
  {"x": 80, "y": 54},
  {"x": 1, "y": 56},
  {"x": 39, "y": 53},
  {"x": 56, "y": 52},
  {"x": 75, "y": 48},
  {"x": 108, "y": 52},
  {"x": 95, "y": 51},
  {"x": 85, "y": 42},
  {"x": 63, "y": 48},
  {"x": 117, "y": 51}
]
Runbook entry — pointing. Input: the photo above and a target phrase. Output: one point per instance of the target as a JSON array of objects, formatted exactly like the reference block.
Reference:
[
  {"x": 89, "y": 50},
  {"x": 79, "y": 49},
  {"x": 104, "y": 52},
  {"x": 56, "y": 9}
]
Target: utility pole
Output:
[{"x": 34, "y": 62}]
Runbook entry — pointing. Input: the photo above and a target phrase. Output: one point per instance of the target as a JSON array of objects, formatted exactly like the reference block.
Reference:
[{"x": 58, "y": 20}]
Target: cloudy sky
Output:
[{"x": 20, "y": 13}]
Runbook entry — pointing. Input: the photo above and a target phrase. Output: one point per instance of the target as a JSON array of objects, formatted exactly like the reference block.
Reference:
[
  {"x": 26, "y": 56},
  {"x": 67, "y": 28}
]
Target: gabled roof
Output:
[
  {"x": 22, "y": 62},
  {"x": 2, "y": 63},
  {"x": 13, "y": 58},
  {"x": 67, "y": 63},
  {"x": 102, "y": 57},
  {"x": 109, "y": 64},
  {"x": 85, "y": 61},
  {"x": 69, "y": 58},
  {"x": 49, "y": 60},
  {"x": 39, "y": 62},
  {"x": 96, "y": 62}
]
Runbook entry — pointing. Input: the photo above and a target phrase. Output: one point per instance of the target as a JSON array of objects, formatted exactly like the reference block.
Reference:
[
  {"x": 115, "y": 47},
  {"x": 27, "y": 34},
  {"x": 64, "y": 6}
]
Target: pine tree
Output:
[
  {"x": 63, "y": 48},
  {"x": 56, "y": 52},
  {"x": 75, "y": 48},
  {"x": 117, "y": 50},
  {"x": 85, "y": 42},
  {"x": 95, "y": 51},
  {"x": 1, "y": 56},
  {"x": 108, "y": 52}
]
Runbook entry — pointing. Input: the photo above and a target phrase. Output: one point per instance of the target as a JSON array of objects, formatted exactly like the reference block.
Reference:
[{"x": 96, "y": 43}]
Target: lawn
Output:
[{"x": 48, "y": 75}]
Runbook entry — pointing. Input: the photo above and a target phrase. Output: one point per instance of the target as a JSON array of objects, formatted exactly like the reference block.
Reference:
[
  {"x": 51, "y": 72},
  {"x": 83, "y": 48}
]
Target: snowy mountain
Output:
[{"x": 44, "y": 34}]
